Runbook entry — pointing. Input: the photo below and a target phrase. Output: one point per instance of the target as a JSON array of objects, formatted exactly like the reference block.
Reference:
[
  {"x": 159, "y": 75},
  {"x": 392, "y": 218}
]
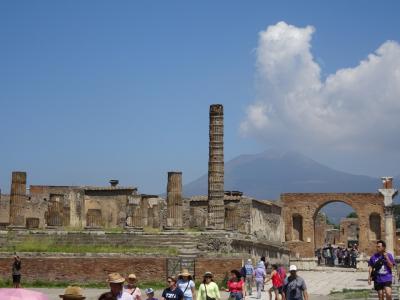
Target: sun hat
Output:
[
  {"x": 292, "y": 268},
  {"x": 72, "y": 292},
  {"x": 185, "y": 272},
  {"x": 149, "y": 291},
  {"x": 115, "y": 278},
  {"x": 208, "y": 274},
  {"x": 132, "y": 276}
]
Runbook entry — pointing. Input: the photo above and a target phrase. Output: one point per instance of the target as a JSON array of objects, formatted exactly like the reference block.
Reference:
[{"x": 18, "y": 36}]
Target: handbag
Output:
[{"x": 207, "y": 298}]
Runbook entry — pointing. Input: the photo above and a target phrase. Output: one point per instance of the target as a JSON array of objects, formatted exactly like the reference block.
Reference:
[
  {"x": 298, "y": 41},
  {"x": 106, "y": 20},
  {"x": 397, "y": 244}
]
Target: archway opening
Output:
[{"x": 336, "y": 234}]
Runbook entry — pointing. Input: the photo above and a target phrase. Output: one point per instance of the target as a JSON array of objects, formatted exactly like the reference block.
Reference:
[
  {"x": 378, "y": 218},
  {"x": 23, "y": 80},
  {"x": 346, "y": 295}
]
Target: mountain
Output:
[{"x": 268, "y": 174}]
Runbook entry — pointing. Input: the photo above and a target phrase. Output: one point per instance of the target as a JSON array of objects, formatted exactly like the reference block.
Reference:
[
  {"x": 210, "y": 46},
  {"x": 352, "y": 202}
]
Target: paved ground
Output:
[{"x": 319, "y": 283}]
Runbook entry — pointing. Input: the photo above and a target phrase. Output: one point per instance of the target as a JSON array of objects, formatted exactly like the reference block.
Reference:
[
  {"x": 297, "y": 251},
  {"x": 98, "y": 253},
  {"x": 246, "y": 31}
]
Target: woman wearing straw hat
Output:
[
  {"x": 73, "y": 293},
  {"x": 208, "y": 290},
  {"x": 132, "y": 288},
  {"x": 116, "y": 282},
  {"x": 186, "y": 285}
]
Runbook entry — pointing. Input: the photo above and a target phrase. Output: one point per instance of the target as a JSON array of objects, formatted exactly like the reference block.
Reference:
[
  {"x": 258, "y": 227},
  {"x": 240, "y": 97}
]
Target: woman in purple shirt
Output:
[{"x": 380, "y": 271}]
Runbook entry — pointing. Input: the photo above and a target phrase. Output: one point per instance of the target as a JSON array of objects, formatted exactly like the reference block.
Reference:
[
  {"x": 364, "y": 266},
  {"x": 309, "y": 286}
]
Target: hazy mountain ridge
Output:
[{"x": 266, "y": 175}]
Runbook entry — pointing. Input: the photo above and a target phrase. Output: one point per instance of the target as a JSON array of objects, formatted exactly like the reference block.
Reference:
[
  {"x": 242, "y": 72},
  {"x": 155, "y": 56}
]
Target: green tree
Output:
[{"x": 352, "y": 215}]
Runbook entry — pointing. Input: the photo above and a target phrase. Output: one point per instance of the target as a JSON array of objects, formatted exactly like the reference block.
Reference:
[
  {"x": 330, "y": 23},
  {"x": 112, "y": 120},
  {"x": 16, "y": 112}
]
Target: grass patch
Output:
[
  {"x": 350, "y": 294},
  {"x": 152, "y": 230},
  {"x": 48, "y": 245}
]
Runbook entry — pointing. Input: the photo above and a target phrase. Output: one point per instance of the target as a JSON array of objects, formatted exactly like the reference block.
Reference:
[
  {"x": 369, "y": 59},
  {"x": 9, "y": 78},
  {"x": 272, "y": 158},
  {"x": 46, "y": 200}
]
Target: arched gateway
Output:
[{"x": 300, "y": 212}]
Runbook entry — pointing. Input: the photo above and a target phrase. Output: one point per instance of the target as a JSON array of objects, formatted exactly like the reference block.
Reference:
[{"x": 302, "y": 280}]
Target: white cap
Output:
[
  {"x": 292, "y": 268},
  {"x": 249, "y": 261}
]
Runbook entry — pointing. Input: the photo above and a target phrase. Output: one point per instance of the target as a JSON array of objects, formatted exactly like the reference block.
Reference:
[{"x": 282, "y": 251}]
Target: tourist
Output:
[
  {"x": 150, "y": 294},
  {"x": 380, "y": 268},
  {"x": 186, "y": 284},
  {"x": 107, "y": 296},
  {"x": 131, "y": 287},
  {"x": 353, "y": 257},
  {"x": 16, "y": 271},
  {"x": 236, "y": 286},
  {"x": 249, "y": 271},
  {"x": 116, "y": 282},
  {"x": 294, "y": 287},
  {"x": 260, "y": 274},
  {"x": 277, "y": 282},
  {"x": 172, "y": 292},
  {"x": 73, "y": 293},
  {"x": 266, "y": 268},
  {"x": 208, "y": 290}
]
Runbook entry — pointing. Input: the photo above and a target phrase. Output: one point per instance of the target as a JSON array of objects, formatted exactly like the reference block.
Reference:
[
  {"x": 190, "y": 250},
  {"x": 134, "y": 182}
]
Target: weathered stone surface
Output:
[{"x": 305, "y": 207}]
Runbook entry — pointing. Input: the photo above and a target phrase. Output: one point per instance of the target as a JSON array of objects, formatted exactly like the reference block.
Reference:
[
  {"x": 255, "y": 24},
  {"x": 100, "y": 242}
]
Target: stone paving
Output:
[{"x": 320, "y": 284}]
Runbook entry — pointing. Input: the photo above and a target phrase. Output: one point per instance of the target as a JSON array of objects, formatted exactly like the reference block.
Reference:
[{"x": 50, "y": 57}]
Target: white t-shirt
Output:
[
  {"x": 182, "y": 286},
  {"x": 124, "y": 296}
]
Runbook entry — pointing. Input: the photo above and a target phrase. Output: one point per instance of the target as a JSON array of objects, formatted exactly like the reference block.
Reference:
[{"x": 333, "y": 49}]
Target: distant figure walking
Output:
[
  {"x": 294, "y": 287},
  {"x": 16, "y": 271},
  {"x": 249, "y": 270},
  {"x": 277, "y": 283},
  {"x": 208, "y": 290},
  {"x": 260, "y": 274},
  {"x": 236, "y": 286},
  {"x": 380, "y": 267},
  {"x": 172, "y": 292},
  {"x": 132, "y": 288},
  {"x": 187, "y": 285},
  {"x": 116, "y": 283}
]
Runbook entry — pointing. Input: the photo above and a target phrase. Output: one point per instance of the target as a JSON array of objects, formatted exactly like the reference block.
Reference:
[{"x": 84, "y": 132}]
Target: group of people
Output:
[
  {"x": 290, "y": 287},
  {"x": 182, "y": 287},
  {"x": 338, "y": 256},
  {"x": 239, "y": 285}
]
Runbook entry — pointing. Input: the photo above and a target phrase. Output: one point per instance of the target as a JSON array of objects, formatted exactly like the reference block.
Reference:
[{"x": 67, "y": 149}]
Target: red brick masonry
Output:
[{"x": 95, "y": 269}]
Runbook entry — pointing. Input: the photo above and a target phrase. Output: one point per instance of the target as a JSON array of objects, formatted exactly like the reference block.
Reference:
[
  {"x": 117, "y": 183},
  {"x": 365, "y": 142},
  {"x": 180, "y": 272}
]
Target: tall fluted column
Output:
[
  {"x": 174, "y": 200},
  {"x": 17, "y": 198},
  {"x": 388, "y": 192},
  {"x": 216, "y": 212}
]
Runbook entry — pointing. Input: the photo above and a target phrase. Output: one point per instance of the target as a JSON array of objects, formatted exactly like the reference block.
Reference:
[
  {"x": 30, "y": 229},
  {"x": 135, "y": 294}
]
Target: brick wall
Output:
[
  {"x": 76, "y": 269},
  {"x": 95, "y": 269}
]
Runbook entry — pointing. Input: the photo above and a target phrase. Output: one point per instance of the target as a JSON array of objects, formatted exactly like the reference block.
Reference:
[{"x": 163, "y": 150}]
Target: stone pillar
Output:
[
  {"x": 388, "y": 192},
  {"x": 216, "y": 210},
  {"x": 174, "y": 201},
  {"x": 17, "y": 199}
]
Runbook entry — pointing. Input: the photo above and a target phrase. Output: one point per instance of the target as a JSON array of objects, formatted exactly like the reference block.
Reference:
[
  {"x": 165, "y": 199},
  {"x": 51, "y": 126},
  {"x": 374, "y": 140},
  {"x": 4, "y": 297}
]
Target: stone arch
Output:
[
  {"x": 374, "y": 227},
  {"x": 307, "y": 206}
]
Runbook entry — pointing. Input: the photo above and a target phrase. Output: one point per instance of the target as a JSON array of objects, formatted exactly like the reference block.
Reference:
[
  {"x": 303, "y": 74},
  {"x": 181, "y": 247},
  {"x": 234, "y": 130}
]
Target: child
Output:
[{"x": 150, "y": 294}]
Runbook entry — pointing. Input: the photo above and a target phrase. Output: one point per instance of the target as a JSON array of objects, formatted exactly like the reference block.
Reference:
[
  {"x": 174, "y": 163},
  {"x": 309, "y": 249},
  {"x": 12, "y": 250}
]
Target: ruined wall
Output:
[
  {"x": 105, "y": 208},
  {"x": 267, "y": 221},
  {"x": 332, "y": 236},
  {"x": 348, "y": 230},
  {"x": 320, "y": 230},
  {"x": 55, "y": 206}
]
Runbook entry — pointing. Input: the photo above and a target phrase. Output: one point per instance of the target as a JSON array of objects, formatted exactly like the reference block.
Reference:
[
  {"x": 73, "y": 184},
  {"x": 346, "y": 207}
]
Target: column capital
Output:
[{"x": 388, "y": 195}]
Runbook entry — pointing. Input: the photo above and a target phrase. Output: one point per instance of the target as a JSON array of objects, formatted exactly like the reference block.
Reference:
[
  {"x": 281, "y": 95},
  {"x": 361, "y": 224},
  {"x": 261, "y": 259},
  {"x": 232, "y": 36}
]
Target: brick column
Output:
[{"x": 216, "y": 212}]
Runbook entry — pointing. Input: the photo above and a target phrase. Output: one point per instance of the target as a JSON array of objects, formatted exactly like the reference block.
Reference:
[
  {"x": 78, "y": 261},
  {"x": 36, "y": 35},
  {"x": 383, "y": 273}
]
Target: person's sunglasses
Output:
[{"x": 169, "y": 281}]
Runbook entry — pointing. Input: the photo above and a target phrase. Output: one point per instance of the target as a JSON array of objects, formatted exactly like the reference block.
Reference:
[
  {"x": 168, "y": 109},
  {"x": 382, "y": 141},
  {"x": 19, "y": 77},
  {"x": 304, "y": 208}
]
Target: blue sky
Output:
[{"x": 94, "y": 90}]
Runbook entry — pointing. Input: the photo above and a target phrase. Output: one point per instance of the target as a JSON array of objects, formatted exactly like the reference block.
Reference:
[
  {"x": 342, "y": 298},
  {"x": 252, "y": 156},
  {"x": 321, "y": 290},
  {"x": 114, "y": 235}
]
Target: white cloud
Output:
[{"x": 355, "y": 108}]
